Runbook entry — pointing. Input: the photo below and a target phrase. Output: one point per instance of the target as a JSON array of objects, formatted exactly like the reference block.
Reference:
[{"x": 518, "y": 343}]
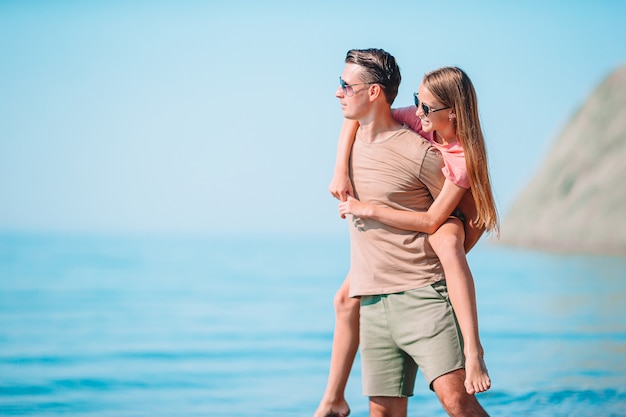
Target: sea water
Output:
[{"x": 242, "y": 326}]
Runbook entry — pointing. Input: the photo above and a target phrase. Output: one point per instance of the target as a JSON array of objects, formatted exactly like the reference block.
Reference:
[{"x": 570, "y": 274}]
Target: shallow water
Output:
[{"x": 106, "y": 326}]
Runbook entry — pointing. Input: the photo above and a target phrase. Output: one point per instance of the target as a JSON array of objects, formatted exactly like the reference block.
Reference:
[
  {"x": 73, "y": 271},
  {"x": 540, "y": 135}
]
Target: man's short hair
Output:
[{"x": 380, "y": 68}]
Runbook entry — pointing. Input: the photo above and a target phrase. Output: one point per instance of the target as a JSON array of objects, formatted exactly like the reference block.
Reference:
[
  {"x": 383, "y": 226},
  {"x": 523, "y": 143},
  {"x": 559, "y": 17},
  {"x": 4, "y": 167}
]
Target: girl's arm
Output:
[
  {"x": 408, "y": 117},
  {"x": 429, "y": 221},
  {"x": 450, "y": 196},
  {"x": 419, "y": 221},
  {"x": 341, "y": 186}
]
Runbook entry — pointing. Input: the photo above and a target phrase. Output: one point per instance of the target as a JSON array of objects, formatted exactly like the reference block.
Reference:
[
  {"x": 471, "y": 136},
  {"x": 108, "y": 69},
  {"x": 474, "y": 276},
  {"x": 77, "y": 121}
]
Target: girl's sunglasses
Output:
[{"x": 425, "y": 107}]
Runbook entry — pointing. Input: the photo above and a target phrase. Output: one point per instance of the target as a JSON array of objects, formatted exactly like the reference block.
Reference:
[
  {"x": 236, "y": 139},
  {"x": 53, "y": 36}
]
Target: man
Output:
[{"x": 406, "y": 320}]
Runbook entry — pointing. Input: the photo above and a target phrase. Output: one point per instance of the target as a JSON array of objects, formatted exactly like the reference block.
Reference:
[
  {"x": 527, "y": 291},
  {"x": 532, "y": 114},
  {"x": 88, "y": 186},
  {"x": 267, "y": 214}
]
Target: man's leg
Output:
[
  {"x": 388, "y": 406},
  {"x": 388, "y": 373},
  {"x": 450, "y": 390},
  {"x": 426, "y": 329}
]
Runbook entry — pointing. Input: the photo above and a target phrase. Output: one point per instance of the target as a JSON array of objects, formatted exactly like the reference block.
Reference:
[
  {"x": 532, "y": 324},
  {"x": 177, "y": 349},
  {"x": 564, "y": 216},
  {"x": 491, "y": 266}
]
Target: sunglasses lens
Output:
[
  {"x": 425, "y": 108},
  {"x": 347, "y": 89}
]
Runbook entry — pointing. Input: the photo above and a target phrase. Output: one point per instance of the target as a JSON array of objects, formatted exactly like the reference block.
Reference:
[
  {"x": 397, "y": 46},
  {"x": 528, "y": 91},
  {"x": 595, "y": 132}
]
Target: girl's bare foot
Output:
[
  {"x": 332, "y": 409},
  {"x": 476, "y": 375}
]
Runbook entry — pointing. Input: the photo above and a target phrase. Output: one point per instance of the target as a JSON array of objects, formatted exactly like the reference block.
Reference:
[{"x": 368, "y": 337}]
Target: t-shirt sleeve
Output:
[
  {"x": 430, "y": 172},
  {"x": 454, "y": 168}
]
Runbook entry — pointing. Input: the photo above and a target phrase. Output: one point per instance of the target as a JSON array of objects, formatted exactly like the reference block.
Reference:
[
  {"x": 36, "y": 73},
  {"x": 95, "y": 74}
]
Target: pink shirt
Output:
[{"x": 454, "y": 167}]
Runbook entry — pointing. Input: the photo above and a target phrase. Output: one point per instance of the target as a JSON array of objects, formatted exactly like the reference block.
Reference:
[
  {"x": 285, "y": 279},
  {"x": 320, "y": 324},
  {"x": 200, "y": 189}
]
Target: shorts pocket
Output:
[{"x": 441, "y": 289}]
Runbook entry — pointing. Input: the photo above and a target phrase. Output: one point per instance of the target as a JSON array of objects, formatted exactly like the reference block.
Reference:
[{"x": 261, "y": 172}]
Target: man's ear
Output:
[{"x": 374, "y": 91}]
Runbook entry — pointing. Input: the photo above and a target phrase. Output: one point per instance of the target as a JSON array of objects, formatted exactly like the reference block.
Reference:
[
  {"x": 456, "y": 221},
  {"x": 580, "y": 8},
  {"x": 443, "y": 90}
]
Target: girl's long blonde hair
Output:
[{"x": 452, "y": 87}]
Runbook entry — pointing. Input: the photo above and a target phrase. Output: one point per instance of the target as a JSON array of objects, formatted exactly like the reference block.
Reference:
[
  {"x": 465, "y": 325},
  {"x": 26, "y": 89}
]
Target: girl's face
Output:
[{"x": 432, "y": 113}]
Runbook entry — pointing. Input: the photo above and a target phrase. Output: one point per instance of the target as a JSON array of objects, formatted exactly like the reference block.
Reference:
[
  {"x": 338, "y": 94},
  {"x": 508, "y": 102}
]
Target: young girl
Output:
[{"x": 446, "y": 115}]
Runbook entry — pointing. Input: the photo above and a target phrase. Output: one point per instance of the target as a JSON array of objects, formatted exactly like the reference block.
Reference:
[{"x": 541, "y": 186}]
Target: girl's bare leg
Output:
[
  {"x": 447, "y": 243},
  {"x": 345, "y": 345}
]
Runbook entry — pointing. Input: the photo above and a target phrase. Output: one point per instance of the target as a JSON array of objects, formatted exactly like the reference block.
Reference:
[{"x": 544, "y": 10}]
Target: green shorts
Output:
[{"x": 406, "y": 331}]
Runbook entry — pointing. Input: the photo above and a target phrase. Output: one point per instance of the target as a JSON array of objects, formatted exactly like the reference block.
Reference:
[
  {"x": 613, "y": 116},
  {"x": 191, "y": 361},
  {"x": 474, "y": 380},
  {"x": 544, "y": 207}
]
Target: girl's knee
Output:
[{"x": 448, "y": 239}]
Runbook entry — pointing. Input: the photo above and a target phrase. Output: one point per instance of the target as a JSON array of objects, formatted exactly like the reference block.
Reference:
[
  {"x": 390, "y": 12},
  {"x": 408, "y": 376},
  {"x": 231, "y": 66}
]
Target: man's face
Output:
[{"x": 352, "y": 94}]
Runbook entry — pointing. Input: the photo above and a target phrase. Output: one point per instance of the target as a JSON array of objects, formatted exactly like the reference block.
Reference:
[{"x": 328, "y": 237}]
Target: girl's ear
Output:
[{"x": 451, "y": 116}]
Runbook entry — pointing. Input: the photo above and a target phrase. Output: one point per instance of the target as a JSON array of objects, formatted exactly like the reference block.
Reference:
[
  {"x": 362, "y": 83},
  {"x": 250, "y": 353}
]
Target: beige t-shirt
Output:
[{"x": 403, "y": 172}]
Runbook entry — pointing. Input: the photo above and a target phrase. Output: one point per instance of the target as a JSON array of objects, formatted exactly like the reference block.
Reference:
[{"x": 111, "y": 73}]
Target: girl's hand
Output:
[
  {"x": 354, "y": 207},
  {"x": 341, "y": 187}
]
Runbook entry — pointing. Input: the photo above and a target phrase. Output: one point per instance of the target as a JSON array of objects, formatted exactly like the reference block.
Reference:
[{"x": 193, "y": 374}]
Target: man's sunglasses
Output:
[
  {"x": 348, "y": 91},
  {"x": 425, "y": 107}
]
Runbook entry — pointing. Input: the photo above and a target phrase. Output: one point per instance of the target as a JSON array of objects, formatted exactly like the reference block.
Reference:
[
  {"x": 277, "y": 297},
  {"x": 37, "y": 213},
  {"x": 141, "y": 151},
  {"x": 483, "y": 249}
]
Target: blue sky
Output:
[{"x": 220, "y": 117}]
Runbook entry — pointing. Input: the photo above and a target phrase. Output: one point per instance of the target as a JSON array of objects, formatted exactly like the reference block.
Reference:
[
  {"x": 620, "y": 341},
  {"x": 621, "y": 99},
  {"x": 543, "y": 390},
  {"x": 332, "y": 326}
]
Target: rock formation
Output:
[{"x": 577, "y": 200}]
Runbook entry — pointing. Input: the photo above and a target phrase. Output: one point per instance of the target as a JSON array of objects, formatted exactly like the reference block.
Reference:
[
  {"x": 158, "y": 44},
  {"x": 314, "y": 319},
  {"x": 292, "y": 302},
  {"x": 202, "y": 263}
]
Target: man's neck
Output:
[{"x": 378, "y": 127}]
